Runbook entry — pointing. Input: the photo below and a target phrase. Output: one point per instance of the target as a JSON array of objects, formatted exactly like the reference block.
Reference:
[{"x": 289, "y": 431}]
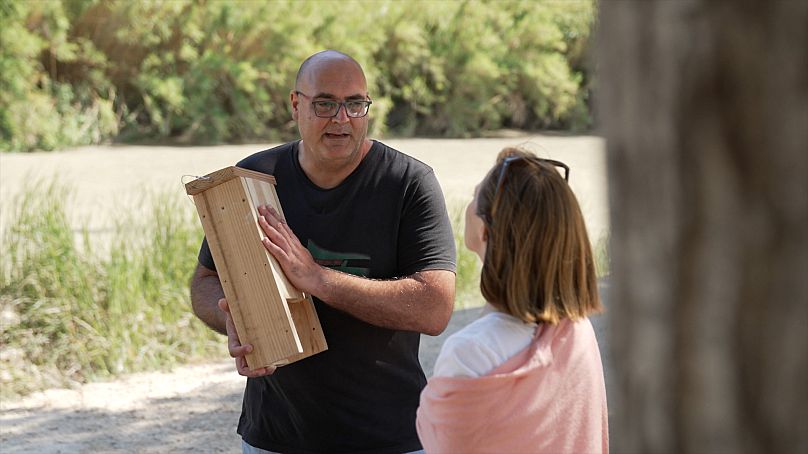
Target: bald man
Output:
[{"x": 367, "y": 235}]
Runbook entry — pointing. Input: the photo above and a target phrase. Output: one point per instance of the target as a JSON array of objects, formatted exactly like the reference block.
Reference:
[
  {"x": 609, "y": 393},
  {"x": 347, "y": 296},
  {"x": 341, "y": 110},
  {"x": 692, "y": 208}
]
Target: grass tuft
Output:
[
  {"x": 467, "y": 284},
  {"x": 602, "y": 258},
  {"x": 70, "y": 314}
]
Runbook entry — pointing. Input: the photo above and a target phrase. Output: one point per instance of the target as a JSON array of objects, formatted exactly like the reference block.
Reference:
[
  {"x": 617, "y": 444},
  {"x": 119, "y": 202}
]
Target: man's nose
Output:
[{"x": 342, "y": 114}]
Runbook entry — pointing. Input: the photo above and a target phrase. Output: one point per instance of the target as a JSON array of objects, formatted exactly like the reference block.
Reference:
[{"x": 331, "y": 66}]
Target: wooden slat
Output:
[
  {"x": 301, "y": 306},
  {"x": 223, "y": 175},
  {"x": 263, "y": 193}
]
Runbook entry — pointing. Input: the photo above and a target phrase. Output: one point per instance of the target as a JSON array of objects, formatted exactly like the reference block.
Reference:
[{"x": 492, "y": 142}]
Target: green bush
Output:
[
  {"x": 73, "y": 310},
  {"x": 87, "y": 71},
  {"x": 54, "y": 89},
  {"x": 458, "y": 68}
]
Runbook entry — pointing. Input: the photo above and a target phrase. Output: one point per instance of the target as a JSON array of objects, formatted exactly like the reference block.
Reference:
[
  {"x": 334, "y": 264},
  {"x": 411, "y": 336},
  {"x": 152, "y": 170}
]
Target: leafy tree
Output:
[{"x": 87, "y": 71}]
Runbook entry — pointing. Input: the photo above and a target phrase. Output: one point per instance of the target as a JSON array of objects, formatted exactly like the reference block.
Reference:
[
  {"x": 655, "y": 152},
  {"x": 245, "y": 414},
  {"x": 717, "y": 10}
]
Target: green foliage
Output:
[
  {"x": 459, "y": 68},
  {"x": 467, "y": 282},
  {"x": 602, "y": 258},
  {"x": 72, "y": 312},
  {"x": 82, "y": 71},
  {"x": 54, "y": 89},
  {"x": 86, "y": 71}
]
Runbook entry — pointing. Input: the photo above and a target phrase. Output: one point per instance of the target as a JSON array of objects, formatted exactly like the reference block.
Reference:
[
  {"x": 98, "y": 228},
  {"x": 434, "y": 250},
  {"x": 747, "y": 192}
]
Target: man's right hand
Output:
[{"x": 239, "y": 351}]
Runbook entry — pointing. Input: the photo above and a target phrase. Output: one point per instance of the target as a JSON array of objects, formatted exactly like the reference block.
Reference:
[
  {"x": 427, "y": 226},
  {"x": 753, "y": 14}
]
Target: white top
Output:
[{"x": 483, "y": 345}]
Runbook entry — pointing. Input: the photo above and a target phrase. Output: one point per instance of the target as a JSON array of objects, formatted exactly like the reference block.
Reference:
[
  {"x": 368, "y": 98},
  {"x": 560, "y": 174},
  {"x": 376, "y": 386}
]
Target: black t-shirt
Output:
[{"x": 387, "y": 219}]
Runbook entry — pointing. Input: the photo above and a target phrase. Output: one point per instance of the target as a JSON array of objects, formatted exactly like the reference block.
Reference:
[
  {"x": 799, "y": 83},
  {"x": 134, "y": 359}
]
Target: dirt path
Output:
[
  {"x": 195, "y": 408},
  {"x": 191, "y": 409}
]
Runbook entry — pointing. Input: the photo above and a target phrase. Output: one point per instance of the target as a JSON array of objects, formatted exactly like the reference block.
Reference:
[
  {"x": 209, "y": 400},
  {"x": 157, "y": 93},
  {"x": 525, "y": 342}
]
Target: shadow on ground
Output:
[{"x": 201, "y": 421}]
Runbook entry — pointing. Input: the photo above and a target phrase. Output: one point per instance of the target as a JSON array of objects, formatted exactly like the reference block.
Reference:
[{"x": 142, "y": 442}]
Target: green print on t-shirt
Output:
[{"x": 347, "y": 262}]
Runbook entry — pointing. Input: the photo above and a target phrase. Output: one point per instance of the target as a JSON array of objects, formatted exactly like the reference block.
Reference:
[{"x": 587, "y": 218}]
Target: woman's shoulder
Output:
[{"x": 483, "y": 345}]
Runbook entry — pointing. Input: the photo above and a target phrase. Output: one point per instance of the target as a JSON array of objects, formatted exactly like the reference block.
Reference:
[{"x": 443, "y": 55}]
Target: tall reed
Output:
[{"x": 73, "y": 310}]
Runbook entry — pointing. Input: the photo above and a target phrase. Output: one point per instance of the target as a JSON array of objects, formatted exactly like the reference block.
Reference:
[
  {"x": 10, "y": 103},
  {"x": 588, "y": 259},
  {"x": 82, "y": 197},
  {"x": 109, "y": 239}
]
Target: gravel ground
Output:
[{"x": 195, "y": 408}]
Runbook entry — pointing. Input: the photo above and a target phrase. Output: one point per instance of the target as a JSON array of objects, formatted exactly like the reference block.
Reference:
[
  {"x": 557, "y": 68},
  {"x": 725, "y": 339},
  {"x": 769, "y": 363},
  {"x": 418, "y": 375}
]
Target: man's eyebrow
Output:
[{"x": 323, "y": 95}]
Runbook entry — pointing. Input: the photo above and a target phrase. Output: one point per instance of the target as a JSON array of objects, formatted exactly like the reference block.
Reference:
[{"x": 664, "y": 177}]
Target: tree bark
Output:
[{"x": 704, "y": 106}]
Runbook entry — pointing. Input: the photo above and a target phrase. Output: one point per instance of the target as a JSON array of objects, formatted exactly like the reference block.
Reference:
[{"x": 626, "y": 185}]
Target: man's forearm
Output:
[
  {"x": 206, "y": 291},
  {"x": 422, "y": 302}
]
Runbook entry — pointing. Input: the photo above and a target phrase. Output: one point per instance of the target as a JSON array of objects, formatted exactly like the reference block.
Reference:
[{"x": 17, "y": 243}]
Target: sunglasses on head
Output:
[{"x": 511, "y": 161}]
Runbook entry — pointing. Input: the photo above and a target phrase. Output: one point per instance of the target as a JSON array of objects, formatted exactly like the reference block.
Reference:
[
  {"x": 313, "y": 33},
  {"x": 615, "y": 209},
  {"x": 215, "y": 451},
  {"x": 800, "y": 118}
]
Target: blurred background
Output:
[{"x": 79, "y": 72}]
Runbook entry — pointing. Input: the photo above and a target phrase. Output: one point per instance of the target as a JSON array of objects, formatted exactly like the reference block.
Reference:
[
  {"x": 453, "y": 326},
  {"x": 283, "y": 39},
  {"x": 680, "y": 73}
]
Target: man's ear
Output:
[{"x": 294, "y": 101}]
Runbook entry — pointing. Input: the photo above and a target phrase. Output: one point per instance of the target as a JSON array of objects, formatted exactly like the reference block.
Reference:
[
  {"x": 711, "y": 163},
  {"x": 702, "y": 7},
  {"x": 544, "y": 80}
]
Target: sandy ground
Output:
[
  {"x": 191, "y": 409},
  {"x": 195, "y": 408}
]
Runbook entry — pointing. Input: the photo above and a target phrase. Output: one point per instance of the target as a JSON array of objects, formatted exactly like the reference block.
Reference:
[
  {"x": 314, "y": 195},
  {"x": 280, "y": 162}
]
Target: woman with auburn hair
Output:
[{"x": 527, "y": 375}]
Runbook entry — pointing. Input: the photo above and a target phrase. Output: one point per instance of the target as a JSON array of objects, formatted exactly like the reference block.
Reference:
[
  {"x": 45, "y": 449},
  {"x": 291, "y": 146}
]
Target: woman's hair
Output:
[{"x": 538, "y": 262}]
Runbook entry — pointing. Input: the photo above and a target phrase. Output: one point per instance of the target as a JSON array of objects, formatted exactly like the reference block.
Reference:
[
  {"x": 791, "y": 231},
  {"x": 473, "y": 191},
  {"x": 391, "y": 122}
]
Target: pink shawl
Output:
[{"x": 549, "y": 398}]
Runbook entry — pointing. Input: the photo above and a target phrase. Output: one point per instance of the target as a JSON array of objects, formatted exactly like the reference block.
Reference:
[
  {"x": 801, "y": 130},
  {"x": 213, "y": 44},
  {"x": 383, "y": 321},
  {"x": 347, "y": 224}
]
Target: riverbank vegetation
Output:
[{"x": 79, "y": 72}]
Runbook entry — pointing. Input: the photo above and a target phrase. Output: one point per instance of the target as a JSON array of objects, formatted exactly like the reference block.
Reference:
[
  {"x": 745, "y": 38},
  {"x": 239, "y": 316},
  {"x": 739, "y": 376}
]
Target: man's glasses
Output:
[
  {"x": 523, "y": 160},
  {"x": 329, "y": 109}
]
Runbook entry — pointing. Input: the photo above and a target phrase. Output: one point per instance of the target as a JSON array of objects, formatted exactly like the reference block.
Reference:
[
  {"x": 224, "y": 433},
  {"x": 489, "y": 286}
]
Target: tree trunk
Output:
[{"x": 704, "y": 106}]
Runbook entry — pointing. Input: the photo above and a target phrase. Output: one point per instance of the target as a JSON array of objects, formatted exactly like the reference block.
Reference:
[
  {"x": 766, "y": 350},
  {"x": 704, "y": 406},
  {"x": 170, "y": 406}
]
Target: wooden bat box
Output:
[{"x": 269, "y": 312}]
